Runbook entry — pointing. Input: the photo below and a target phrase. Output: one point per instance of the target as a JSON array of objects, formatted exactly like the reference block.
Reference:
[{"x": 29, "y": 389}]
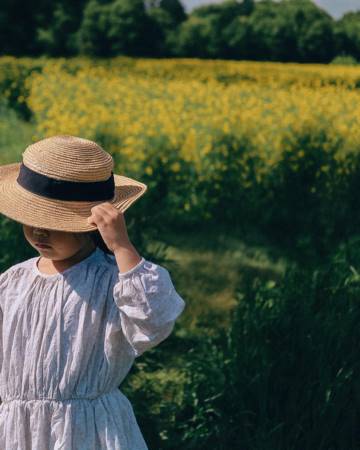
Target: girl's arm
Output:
[
  {"x": 144, "y": 292},
  {"x": 148, "y": 303}
]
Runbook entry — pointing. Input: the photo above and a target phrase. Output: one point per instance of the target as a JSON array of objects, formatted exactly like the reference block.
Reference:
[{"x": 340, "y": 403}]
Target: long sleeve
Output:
[{"x": 148, "y": 303}]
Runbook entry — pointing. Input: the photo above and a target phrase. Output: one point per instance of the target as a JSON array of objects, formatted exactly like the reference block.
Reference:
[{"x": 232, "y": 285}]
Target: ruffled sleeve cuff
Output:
[
  {"x": 148, "y": 304},
  {"x": 133, "y": 269}
]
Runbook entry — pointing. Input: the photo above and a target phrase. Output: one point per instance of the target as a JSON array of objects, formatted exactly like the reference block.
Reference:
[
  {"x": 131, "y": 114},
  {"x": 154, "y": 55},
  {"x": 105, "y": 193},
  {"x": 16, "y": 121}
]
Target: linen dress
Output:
[{"x": 67, "y": 341}]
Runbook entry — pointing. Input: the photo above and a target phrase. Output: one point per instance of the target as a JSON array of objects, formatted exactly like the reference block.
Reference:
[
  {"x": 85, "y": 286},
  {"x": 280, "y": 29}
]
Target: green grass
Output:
[
  {"x": 209, "y": 265},
  {"x": 15, "y": 135}
]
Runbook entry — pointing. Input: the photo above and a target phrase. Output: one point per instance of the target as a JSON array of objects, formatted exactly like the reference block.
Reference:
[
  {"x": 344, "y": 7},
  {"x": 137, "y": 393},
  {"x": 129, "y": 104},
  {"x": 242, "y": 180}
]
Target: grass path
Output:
[{"x": 208, "y": 267}]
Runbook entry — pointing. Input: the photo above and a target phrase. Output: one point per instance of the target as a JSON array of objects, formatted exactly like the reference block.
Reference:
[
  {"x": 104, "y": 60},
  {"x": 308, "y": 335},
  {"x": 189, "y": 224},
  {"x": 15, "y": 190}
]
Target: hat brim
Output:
[{"x": 31, "y": 209}]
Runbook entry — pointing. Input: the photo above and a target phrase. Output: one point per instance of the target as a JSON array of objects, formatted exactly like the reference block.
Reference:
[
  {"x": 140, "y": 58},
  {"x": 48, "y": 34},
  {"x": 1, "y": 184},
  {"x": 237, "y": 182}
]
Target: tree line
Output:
[{"x": 286, "y": 30}]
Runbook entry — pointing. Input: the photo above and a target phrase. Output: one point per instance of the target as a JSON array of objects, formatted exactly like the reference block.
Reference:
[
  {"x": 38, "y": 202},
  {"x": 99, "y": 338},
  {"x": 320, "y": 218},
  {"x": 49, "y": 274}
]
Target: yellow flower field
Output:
[
  {"x": 176, "y": 109},
  {"x": 187, "y": 101}
]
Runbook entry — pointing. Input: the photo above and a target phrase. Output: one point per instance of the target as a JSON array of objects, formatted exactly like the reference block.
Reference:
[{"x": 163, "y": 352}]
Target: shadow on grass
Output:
[{"x": 208, "y": 264}]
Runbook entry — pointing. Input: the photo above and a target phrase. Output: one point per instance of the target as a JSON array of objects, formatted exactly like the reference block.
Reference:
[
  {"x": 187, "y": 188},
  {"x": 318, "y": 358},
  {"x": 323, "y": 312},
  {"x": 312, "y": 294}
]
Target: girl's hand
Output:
[{"x": 111, "y": 225}]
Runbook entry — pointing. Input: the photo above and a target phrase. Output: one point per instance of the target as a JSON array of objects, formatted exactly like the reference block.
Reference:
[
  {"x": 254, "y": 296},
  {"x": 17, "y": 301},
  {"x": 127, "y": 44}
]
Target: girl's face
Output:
[{"x": 61, "y": 245}]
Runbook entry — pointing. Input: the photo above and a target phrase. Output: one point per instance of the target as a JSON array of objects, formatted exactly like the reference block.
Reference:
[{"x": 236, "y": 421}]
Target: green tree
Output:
[
  {"x": 284, "y": 30},
  {"x": 175, "y": 9},
  {"x": 316, "y": 43},
  {"x": 166, "y": 16},
  {"x": 119, "y": 27},
  {"x": 93, "y": 39},
  {"x": 202, "y": 35},
  {"x": 226, "y": 10},
  {"x": 164, "y": 32},
  {"x": 291, "y": 31},
  {"x": 273, "y": 35},
  {"x": 59, "y": 37},
  {"x": 347, "y": 35},
  {"x": 239, "y": 38},
  {"x": 18, "y": 24},
  {"x": 196, "y": 39}
]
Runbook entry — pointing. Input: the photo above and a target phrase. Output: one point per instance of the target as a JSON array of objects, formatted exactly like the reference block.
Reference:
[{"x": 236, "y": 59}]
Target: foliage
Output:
[
  {"x": 204, "y": 33},
  {"x": 345, "y": 60},
  {"x": 13, "y": 244},
  {"x": 283, "y": 376},
  {"x": 284, "y": 138},
  {"x": 59, "y": 36},
  {"x": 119, "y": 27},
  {"x": 347, "y": 31},
  {"x": 285, "y": 30}
]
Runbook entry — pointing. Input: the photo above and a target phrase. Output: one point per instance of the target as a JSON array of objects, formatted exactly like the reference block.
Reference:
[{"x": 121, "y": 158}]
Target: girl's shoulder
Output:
[
  {"x": 18, "y": 266},
  {"x": 27, "y": 267},
  {"x": 14, "y": 270}
]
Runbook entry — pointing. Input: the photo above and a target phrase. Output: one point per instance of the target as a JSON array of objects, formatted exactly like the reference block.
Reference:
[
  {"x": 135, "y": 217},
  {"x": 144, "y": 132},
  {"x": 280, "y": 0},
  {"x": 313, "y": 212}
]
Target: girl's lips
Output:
[{"x": 42, "y": 245}]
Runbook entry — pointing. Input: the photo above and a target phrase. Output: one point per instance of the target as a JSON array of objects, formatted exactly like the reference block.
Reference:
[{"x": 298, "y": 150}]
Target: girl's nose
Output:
[{"x": 39, "y": 231}]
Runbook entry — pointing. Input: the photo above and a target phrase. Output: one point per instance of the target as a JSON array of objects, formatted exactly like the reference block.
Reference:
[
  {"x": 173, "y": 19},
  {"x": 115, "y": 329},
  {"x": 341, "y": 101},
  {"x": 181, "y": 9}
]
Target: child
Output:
[{"x": 73, "y": 319}]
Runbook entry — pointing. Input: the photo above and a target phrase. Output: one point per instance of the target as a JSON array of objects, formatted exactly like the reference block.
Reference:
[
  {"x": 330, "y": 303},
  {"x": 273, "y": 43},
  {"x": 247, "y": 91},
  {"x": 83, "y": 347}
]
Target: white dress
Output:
[{"x": 67, "y": 341}]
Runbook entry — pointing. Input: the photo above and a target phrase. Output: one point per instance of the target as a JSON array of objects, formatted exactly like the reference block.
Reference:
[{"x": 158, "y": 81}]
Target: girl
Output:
[{"x": 74, "y": 318}]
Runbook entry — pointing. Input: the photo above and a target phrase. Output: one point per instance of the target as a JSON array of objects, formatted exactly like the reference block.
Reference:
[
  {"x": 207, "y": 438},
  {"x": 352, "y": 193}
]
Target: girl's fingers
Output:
[
  {"x": 105, "y": 210},
  {"x": 100, "y": 209},
  {"x": 91, "y": 220}
]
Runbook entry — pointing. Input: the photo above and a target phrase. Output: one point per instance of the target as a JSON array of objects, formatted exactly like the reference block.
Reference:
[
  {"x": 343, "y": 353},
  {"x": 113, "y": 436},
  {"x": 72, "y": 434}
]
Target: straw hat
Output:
[{"x": 58, "y": 182}]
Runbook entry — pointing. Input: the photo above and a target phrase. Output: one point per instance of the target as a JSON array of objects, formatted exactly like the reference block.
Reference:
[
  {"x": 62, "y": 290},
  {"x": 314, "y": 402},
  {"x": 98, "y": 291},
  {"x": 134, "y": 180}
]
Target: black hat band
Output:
[{"x": 65, "y": 190}]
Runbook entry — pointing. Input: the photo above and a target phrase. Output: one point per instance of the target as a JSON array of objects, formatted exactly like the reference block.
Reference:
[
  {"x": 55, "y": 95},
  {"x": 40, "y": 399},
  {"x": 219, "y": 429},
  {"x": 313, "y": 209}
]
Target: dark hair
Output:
[{"x": 98, "y": 241}]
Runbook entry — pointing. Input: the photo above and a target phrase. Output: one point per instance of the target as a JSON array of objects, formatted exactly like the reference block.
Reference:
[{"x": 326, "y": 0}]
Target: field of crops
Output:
[
  {"x": 202, "y": 130},
  {"x": 187, "y": 102},
  {"x": 272, "y": 153}
]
